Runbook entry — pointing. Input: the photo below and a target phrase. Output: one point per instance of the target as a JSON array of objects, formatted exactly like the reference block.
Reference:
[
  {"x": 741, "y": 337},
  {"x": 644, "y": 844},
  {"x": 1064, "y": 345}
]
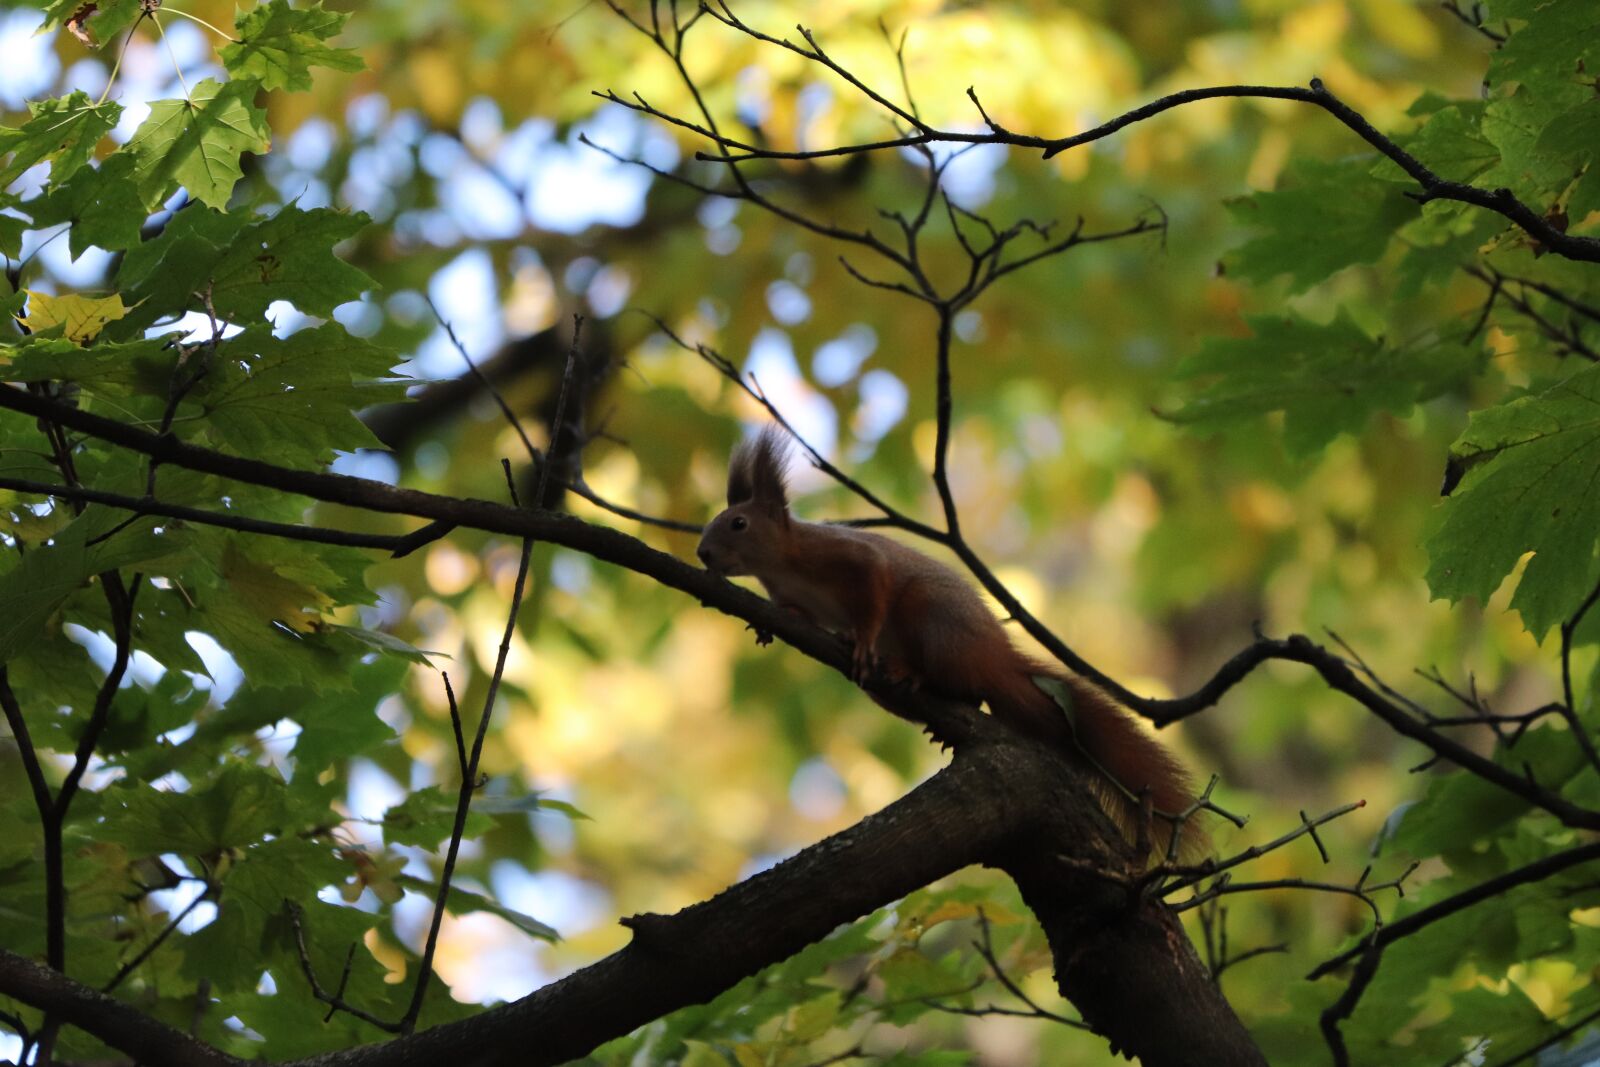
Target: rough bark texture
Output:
[{"x": 1003, "y": 802}]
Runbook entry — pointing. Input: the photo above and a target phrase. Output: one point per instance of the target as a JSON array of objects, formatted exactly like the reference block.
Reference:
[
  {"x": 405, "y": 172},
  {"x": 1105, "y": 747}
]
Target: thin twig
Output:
[
  {"x": 984, "y": 946},
  {"x": 534, "y": 455},
  {"x": 469, "y": 782},
  {"x": 1210, "y": 868},
  {"x": 335, "y": 1001},
  {"x": 166, "y": 931}
]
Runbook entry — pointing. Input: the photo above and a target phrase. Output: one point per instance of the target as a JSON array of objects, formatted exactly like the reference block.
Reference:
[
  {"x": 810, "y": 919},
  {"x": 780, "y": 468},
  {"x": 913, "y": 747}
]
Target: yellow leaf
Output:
[
  {"x": 750, "y": 1055},
  {"x": 81, "y": 317}
]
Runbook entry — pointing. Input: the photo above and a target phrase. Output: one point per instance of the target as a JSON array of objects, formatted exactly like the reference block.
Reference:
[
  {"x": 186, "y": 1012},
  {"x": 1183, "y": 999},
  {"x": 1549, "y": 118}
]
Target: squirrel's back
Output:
[{"x": 946, "y": 636}]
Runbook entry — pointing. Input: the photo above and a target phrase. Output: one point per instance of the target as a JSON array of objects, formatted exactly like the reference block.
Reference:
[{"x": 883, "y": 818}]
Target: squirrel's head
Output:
[{"x": 748, "y": 537}]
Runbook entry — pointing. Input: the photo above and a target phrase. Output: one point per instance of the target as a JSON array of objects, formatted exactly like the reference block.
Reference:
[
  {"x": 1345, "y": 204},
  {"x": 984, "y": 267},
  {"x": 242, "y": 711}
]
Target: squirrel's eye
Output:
[{"x": 739, "y": 522}]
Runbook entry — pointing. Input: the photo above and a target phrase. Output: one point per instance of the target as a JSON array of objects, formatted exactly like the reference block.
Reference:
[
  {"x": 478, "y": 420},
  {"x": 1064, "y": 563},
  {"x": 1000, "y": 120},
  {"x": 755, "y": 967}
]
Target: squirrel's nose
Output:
[{"x": 705, "y": 555}]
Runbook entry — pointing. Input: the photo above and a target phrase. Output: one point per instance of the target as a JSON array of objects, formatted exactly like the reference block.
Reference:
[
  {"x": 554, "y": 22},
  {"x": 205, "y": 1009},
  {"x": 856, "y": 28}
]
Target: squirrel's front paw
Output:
[
  {"x": 863, "y": 663},
  {"x": 763, "y": 637}
]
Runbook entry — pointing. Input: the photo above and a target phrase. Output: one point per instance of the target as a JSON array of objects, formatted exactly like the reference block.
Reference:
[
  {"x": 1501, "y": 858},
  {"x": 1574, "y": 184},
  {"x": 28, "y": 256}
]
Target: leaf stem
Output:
[
  {"x": 203, "y": 22},
  {"x": 116, "y": 66},
  {"x": 176, "y": 67}
]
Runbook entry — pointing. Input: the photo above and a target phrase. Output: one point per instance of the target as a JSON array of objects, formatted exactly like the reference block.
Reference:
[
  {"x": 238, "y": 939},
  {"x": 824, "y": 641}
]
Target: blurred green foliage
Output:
[{"x": 1157, "y": 443}]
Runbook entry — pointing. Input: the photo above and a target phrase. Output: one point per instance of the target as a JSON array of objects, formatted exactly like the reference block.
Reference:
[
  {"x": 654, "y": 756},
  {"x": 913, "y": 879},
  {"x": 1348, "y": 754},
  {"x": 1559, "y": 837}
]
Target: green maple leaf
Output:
[
  {"x": 101, "y": 205},
  {"x": 264, "y": 601},
  {"x": 64, "y": 130},
  {"x": 1325, "y": 379},
  {"x": 196, "y": 142},
  {"x": 1530, "y": 482},
  {"x": 289, "y": 256},
  {"x": 1332, "y": 216},
  {"x": 278, "y": 45},
  {"x": 246, "y": 263},
  {"x": 32, "y": 590},
  {"x": 294, "y": 397},
  {"x": 243, "y": 803},
  {"x": 1451, "y": 144},
  {"x": 105, "y": 367},
  {"x": 160, "y": 277},
  {"x": 230, "y": 952},
  {"x": 1557, "y": 41},
  {"x": 1517, "y": 125}
]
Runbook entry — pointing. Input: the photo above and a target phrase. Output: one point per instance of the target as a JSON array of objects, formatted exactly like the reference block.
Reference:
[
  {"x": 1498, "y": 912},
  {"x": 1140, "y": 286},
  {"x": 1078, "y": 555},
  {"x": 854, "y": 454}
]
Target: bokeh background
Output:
[{"x": 1149, "y": 547}]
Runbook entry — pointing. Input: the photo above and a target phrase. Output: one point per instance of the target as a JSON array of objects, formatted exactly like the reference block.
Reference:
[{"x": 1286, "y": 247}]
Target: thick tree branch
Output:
[
  {"x": 1097, "y": 988},
  {"x": 120, "y": 1025},
  {"x": 1003, "y": 801}
]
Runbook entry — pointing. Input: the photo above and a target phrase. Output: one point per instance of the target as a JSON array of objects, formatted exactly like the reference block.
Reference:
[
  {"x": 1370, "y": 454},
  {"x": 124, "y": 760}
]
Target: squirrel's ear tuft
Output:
[
  {"x": 759, "y": 470},
  {"x": 741, "y": 479}
]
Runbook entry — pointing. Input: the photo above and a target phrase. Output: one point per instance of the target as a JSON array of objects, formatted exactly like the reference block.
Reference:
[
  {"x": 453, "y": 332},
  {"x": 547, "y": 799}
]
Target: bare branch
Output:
[
  {"x": 534, "y": 456},
  {"x": 616, "y": 547},
  {"x": 156, "y": 942},
  {"x": 335, "y": 1000},
  {"x": 469, "y": 775},
  {"x": 1193, "y": 876}
]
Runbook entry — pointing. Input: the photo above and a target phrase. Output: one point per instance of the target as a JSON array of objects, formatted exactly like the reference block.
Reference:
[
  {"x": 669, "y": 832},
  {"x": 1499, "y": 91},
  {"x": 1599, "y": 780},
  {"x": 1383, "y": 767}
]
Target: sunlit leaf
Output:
[
  {"x": 297, "y": 394},
  {"x": 278, "y": 45},
  {"x": 195, "y": 142},
  {"x": 77, "y": 318},
  {"x": 64, "y": 131}
]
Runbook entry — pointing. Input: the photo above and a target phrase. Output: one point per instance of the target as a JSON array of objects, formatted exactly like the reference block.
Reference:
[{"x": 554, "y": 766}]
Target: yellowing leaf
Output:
[
  {"x": 272, "y": 596},
  {"x": 812, "y": 1019},
  {"x": 80, "y": 317},
  {"x": 702, "y": 1054},
  {"x": 950, "y": 909}
]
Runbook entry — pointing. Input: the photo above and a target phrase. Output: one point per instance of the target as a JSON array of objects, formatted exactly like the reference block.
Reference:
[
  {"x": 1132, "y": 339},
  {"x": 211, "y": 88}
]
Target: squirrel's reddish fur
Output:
[{"x": 921, "y": 622}]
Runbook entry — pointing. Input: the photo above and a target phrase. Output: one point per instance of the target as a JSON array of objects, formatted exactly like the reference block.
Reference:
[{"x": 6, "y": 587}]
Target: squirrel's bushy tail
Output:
[{"x": 1108, "y": 734}]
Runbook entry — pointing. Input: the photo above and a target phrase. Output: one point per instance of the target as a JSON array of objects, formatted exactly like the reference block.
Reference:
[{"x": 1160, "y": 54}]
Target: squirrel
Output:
[{"x": 925, "y": 625}]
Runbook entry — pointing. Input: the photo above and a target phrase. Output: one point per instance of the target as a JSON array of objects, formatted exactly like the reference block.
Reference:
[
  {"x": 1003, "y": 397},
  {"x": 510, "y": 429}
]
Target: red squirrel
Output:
[{"x": 925, "y": 625}]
